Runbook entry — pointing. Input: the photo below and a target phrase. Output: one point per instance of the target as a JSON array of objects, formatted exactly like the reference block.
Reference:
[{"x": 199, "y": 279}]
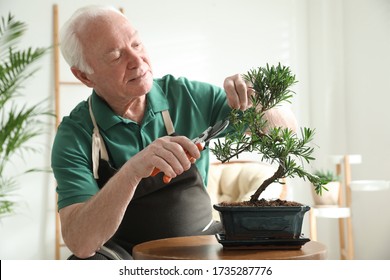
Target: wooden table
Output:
[{"x": 207, "y": 247}]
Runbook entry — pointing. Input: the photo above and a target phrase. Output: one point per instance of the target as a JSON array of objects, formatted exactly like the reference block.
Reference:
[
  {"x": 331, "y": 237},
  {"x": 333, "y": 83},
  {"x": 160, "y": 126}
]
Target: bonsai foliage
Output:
[
  {"x": 19, "y": 123},
  {"x": 250, "y": 131}
]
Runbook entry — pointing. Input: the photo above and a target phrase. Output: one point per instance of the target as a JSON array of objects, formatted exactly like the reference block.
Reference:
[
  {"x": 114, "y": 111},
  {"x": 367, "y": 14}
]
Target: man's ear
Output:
[{"x": 82, "y": 77}]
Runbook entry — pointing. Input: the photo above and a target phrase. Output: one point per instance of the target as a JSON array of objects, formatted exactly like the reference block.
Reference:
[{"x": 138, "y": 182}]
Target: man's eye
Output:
[
  {"x": 137, "y": 45},
  {"x": 116, "y": 57}
]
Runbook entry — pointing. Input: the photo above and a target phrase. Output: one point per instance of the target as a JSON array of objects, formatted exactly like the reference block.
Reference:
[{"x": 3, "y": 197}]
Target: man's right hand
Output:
[{"x": 172, "y": 155}]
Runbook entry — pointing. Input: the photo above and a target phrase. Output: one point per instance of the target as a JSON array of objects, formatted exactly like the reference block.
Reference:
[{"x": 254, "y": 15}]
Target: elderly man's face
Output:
[{"x": 114, "y": 50}]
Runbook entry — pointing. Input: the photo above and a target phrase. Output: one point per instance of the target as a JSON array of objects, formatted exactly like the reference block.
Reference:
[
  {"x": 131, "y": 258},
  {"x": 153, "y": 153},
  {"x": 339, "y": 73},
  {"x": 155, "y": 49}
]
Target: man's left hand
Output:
[{"x": 238, "y": 92}]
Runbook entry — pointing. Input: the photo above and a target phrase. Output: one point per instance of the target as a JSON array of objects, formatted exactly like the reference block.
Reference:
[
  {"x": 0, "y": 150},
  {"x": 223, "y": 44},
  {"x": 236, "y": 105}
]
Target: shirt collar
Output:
[{"x": 107, "y": 118}]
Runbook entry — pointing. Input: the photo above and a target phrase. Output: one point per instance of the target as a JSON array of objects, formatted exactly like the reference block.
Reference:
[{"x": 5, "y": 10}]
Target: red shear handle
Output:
[{"x": 167, "y": 179}]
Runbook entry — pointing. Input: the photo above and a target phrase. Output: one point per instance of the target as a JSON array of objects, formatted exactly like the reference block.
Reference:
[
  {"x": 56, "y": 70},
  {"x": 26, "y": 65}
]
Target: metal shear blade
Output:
[{"x": 211, "y": 132}]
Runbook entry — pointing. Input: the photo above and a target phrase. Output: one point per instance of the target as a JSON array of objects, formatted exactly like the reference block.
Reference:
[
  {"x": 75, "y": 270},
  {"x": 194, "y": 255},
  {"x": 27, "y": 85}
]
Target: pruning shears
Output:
[{"x": 201, "y": 141}]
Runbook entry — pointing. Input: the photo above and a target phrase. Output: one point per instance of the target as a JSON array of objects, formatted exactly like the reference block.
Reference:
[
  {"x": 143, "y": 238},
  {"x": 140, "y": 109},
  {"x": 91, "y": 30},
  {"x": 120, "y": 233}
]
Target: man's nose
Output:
[{"x": 134, "y": 59}]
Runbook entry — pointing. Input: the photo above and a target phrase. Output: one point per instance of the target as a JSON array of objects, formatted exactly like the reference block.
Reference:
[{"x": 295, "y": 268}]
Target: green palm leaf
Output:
[
  {"x": 10, "y": 33},
  {"x": 19, "y": 123}
]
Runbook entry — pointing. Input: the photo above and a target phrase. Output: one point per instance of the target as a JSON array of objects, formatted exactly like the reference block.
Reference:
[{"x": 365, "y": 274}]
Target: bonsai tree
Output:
[
  {"x": 252, "y": 132},
  {"x": 19, "y": 123}
]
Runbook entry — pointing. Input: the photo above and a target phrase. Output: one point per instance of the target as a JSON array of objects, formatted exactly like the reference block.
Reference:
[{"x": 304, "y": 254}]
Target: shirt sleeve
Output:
[
  {"x": 71, "y": 164},
  {"x": 210, "y": 99}
]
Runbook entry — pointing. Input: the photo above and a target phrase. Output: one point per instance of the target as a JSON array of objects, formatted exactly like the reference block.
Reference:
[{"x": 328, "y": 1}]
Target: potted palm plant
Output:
[
  {"x": 332, "y": 189},
  {"x": 19, "y": 122},
  {"x": 257, "y": 220}
]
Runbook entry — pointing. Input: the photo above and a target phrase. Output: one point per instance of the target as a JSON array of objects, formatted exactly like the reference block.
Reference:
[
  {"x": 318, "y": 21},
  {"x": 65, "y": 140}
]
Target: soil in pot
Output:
[{"x": 262, "y": 203}]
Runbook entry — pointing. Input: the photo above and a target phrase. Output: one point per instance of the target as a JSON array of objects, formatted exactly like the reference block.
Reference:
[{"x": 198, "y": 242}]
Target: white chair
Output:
[{"x": 237, "y": 180}]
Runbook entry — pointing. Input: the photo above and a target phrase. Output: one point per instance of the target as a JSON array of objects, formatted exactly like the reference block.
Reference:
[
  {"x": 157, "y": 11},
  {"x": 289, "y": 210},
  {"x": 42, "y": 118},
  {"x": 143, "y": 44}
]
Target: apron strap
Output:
[
  {"x": 168, "y": 122},
  {"x": 98, "y": 146},
  {"x": 99, "y": 150}
]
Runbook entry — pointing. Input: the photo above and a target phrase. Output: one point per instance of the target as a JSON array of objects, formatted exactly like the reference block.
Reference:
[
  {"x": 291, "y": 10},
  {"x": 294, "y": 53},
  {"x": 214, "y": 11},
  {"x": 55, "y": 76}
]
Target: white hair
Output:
[{"x": 70, "y": 43}]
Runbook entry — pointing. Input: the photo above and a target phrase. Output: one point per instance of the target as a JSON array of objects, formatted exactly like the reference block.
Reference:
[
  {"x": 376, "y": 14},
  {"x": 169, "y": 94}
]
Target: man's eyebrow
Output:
[
  {"x": 134, "y": 34},
  {"x": 113, "y": 50}
]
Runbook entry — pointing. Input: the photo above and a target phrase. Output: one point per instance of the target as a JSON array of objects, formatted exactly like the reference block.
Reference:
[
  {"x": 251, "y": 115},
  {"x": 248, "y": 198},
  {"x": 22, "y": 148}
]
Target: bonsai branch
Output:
[
  {"x": 234, "y": 153},
  {"x": 277, "y": 175}
]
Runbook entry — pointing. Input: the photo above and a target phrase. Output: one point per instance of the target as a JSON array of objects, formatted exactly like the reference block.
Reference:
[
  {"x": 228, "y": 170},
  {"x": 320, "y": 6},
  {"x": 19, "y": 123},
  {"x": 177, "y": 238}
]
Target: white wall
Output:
[
  {"x": 367, "y": 74},
  {"x": 329, "y": 44}
]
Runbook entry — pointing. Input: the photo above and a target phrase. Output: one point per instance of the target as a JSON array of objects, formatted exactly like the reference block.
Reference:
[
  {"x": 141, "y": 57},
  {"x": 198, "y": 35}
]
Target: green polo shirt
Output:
[{"x": 193, "y": 107}]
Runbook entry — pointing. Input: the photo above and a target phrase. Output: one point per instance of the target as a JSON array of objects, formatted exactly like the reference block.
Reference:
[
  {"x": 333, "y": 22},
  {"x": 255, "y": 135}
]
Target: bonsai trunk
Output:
[{"x": 277, "y": 175}]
